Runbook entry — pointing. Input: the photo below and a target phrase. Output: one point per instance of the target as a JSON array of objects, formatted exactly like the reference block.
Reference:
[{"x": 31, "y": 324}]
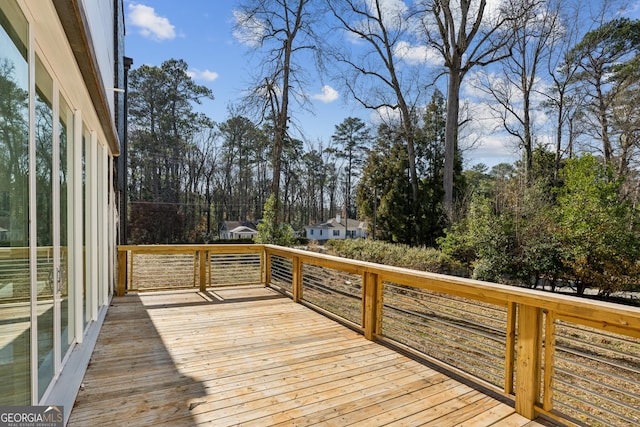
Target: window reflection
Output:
[
  {"x": 14, "y": 209},
  {"x": 44, "y": 224},
  {"x": 66, "y": 141}
]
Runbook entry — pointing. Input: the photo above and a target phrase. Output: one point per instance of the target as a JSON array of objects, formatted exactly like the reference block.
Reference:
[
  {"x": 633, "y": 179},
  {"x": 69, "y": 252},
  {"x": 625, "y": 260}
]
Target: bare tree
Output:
[
  {"x": 466, "y": 35},
  {"x": 208, "y": 150},
  {"x": 563, "y": 99},
  {"x": 515, "y": 90},
  {"x": 280, "y": 30},
  {"x": 375, "y": 80}
]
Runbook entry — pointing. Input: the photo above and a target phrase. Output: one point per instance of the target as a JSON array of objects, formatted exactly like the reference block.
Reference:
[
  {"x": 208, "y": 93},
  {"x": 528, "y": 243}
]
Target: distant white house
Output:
[
  {"x": 238, "y": 230},
  {"x": 336, "y": 228}
]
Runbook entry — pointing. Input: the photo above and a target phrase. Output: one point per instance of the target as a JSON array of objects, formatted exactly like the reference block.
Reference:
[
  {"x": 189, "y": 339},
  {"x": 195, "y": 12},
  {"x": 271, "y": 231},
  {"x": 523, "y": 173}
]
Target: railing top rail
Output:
[
  {"x": 13, "y": 251},
  {"x": 219, "y": 248}
]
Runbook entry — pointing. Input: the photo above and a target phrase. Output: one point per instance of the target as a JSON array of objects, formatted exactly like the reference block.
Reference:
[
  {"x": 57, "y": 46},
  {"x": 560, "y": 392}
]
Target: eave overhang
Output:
[{"x": 74, "y": 21}]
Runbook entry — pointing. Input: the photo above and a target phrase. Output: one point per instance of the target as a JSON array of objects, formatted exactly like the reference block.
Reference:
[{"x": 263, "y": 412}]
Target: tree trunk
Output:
[
  {"x": 556, "y": 168},
  {"x": 528, "y": 138},
  {"x": 407, "y": 127},
  {"x": 604, "y": 123},
  {"x": 451, "y": 134}
]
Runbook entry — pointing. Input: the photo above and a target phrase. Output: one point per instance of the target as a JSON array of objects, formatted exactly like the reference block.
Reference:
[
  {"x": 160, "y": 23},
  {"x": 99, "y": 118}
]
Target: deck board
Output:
[{"x": 252, "y": 357}]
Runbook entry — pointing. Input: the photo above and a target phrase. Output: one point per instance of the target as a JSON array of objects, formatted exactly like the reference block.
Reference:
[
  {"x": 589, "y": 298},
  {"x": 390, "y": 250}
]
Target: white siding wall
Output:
[
  {"x": 327, "y": 233},
  {"x": 100, "y": 16}
]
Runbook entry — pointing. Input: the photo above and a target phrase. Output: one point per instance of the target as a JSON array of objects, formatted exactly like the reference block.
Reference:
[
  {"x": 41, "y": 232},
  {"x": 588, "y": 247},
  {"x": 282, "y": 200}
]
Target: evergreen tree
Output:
[
  {"x": 270, "y": 231},
  {"x": 383, "y": 193},
  {"x": 597, "y": 229},
  {"x": 162, "y": 128},
  {"x": 607, "y": 59},
  {"x": 352, "y": 138},
  {"x": 430, "y": 160}
]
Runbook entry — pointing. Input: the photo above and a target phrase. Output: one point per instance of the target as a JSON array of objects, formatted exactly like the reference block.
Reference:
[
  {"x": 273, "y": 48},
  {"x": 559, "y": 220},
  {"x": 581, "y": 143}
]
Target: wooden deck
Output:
[{"x": 248, "y": 356}]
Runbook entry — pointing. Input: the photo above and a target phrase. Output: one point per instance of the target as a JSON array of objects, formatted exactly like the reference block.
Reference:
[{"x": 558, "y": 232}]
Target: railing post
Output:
[
  {"x": 549, "y": 356},
  {"x": 265, "y": 267},
  {"x": 371, "y": 285},
  {"x": 528, "y": 360},
  {"x": 122, "y": 273},
  {"x": 202, "y": 263},
  {"x": 509, "y": 357},
  {"x": 296, "y": 278}
]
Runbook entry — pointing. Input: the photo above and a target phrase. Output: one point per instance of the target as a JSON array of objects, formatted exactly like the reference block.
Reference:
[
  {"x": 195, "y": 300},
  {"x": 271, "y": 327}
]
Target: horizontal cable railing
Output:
[
  {"x": 281, "y": 273},
  {"x": 234, "y": 269},
  {"x": 460, "y": 332},
  {"x": 595, "y": 376},
  {"x": 574, "y": 360},
  {"x": 15, "y": 278},
  {"x": 335, "y": 291},
  {"x": 164, "y": 267},
  {"x": 163, "y": 271}
]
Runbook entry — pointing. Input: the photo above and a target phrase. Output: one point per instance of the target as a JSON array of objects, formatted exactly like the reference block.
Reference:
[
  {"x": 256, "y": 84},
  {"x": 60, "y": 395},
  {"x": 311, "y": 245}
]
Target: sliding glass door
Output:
[
  {"x": 53, "y": 202},
  {"x": 65, "y": 206},
  {"x": 15, "y": 287},
  {"x": 53, "y": 139},
  {"x": 47, "y": 254}
]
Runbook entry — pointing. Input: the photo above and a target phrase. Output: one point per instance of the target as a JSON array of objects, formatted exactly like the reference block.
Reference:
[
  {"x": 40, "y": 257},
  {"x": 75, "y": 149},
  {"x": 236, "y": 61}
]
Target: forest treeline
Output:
[{"x": 566, "y": 213}]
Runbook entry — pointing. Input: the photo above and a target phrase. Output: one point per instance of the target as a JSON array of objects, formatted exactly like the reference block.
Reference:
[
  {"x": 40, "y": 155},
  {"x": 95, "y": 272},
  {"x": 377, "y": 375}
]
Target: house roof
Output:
[
  {"x": 333, "y": 223},
  {"x": 232, "y": 225},
  {"x": 243, "y": 229}
]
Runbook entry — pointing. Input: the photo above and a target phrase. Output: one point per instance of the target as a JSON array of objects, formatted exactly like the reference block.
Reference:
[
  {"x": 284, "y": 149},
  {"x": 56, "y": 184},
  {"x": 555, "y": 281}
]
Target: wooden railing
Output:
[
  {"x": 163, "y": 267},
  {"x": 15, "y": 277},
  {"x": 571, "y": 359}
]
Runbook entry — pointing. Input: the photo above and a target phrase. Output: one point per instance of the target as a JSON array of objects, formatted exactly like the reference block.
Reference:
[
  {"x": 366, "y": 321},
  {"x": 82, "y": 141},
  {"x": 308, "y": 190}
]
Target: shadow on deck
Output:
[{"x": 249, "y": 356}]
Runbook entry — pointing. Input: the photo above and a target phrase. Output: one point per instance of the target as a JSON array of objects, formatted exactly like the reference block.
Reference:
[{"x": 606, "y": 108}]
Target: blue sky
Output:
[{"x": 201, "y": 33}]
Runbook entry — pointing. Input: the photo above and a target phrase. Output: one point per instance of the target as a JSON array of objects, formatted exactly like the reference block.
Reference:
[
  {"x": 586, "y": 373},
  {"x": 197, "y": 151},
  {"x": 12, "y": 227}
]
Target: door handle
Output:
[{"x": 58, "y": 280}]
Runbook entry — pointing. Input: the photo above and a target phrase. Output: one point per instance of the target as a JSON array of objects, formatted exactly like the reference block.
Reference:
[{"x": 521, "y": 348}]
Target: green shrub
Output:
[
  {"x": 398, "y": 255},
  {"x": 270, "y": 231}
]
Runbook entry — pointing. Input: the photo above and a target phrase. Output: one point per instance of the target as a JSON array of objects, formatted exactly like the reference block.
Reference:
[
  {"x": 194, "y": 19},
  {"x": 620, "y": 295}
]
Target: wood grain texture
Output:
[{"x": 249, "y": 356}]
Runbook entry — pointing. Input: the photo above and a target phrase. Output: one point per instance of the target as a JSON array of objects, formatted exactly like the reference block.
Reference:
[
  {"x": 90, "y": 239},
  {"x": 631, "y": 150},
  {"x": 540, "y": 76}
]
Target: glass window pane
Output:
[
  {"x": 14, "y": 209},
  {"x": 44, "y": 225},
  {"x": 66, "y": 142}
]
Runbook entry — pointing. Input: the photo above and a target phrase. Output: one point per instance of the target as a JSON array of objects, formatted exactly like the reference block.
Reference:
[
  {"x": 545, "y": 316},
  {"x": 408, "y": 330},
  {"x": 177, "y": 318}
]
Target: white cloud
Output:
[
  {"x": 416, "y": 55},
  {"x": 249, "y": 30},
  {"x": 206, "y": 75},
  {"x": 386, "y": 115},
  {"x": 327, "y": 96},
  {"x": 490, "y": 143},
  {"x": 476, "y": 89},
  {"x": 149, "y": 24},
  {"x": 491, "y": 150},
  {"x": 393, "y": 11},
  {"x": 492, "y": 9},
  {"x": 490, "y": 16}
]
